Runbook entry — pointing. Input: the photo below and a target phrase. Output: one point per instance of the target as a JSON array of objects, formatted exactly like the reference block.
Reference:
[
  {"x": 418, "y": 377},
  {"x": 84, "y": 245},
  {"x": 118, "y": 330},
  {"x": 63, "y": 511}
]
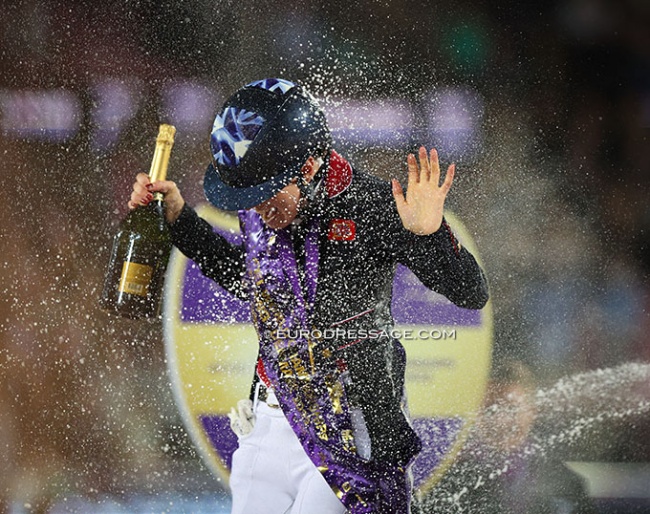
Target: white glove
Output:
[{"x": 242, "y": 420}]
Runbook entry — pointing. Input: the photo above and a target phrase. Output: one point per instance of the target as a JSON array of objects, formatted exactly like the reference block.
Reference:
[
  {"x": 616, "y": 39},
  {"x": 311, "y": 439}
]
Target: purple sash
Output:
[{"x": 307, "y": 380}]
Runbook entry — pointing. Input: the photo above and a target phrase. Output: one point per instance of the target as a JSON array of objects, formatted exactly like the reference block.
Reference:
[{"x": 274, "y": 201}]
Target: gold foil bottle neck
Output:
[
  {"x": 160, "y": 162},
  {"x": 166, "y": 134}
]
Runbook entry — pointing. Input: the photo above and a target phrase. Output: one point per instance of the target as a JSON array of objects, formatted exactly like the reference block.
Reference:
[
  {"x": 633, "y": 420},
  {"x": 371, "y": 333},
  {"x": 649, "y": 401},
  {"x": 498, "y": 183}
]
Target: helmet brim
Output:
[{"x": 230, "y": 198}]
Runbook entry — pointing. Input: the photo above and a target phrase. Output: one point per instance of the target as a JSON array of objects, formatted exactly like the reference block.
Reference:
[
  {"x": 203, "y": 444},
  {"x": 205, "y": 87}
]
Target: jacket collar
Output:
[{"x": 339, "y": 175}]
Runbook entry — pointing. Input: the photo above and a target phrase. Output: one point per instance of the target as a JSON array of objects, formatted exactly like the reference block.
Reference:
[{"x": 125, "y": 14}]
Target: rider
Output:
[{"x": 321, "y": 240}]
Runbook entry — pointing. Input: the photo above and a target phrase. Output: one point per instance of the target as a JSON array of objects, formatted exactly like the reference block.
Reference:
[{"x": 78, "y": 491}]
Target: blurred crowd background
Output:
[{"x": 545, "y": 108}]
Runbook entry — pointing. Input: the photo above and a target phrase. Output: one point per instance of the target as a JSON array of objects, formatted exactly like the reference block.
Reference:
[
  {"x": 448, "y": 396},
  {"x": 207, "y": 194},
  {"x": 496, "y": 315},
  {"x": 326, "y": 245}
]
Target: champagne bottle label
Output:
[{"x": 135, "y": 278}]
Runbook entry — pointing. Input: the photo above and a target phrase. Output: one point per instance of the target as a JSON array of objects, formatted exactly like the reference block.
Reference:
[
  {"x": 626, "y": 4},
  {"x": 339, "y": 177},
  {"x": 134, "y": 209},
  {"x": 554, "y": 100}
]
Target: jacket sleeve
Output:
[
  {"x": 217, "y": 258},
  {"x": 443, "y": 265},
  {"x": 439, "y": 261}
]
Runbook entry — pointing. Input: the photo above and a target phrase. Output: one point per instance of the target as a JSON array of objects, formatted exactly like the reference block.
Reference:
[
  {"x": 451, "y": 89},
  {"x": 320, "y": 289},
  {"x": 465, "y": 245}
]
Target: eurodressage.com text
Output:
[{"x": 360, "y": 334}]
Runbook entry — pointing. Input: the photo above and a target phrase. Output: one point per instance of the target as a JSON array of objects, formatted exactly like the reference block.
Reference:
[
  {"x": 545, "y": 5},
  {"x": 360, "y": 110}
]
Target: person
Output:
[{"x": 329, "y": 430}]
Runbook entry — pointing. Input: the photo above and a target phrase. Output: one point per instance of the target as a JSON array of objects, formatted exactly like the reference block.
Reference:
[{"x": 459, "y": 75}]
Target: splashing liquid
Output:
[{"x": 519, "y": 434}]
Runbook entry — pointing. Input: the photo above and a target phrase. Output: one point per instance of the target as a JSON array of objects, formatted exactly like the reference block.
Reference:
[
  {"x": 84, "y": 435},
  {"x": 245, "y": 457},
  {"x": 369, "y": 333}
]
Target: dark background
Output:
[{"x": 552, "y": 181}]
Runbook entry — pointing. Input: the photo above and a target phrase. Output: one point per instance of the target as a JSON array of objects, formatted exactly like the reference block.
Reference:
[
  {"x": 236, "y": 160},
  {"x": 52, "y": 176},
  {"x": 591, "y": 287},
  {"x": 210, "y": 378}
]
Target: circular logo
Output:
[{"x": 211, "y": 349}]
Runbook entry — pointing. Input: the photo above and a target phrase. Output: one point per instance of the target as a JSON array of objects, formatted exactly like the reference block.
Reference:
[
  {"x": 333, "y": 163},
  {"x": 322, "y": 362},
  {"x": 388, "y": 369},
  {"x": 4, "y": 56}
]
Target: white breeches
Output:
[{"x": 271, "y": 473}]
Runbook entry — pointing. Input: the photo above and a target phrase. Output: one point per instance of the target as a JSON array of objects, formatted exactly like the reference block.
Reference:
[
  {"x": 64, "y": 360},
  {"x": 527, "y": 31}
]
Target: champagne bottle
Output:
[{"x": 141, "y": 248}]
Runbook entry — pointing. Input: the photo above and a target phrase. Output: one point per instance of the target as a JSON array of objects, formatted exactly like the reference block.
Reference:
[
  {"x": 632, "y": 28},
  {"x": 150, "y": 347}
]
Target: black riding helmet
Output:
[{"x": 260, "y": 140}]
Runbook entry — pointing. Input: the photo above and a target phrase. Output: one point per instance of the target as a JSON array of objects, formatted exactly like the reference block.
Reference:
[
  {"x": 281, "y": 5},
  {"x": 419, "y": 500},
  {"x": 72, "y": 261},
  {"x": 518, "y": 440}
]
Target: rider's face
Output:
[{"x": 279, "y": 211}]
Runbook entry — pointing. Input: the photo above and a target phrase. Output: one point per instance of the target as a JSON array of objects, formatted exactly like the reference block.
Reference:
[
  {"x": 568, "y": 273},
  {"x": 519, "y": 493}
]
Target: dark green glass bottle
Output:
[{"x": 136, "y": 270}]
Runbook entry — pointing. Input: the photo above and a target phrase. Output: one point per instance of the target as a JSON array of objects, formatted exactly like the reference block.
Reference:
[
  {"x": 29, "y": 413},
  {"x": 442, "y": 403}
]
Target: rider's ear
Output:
[{"x": 310, "y": 168}]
